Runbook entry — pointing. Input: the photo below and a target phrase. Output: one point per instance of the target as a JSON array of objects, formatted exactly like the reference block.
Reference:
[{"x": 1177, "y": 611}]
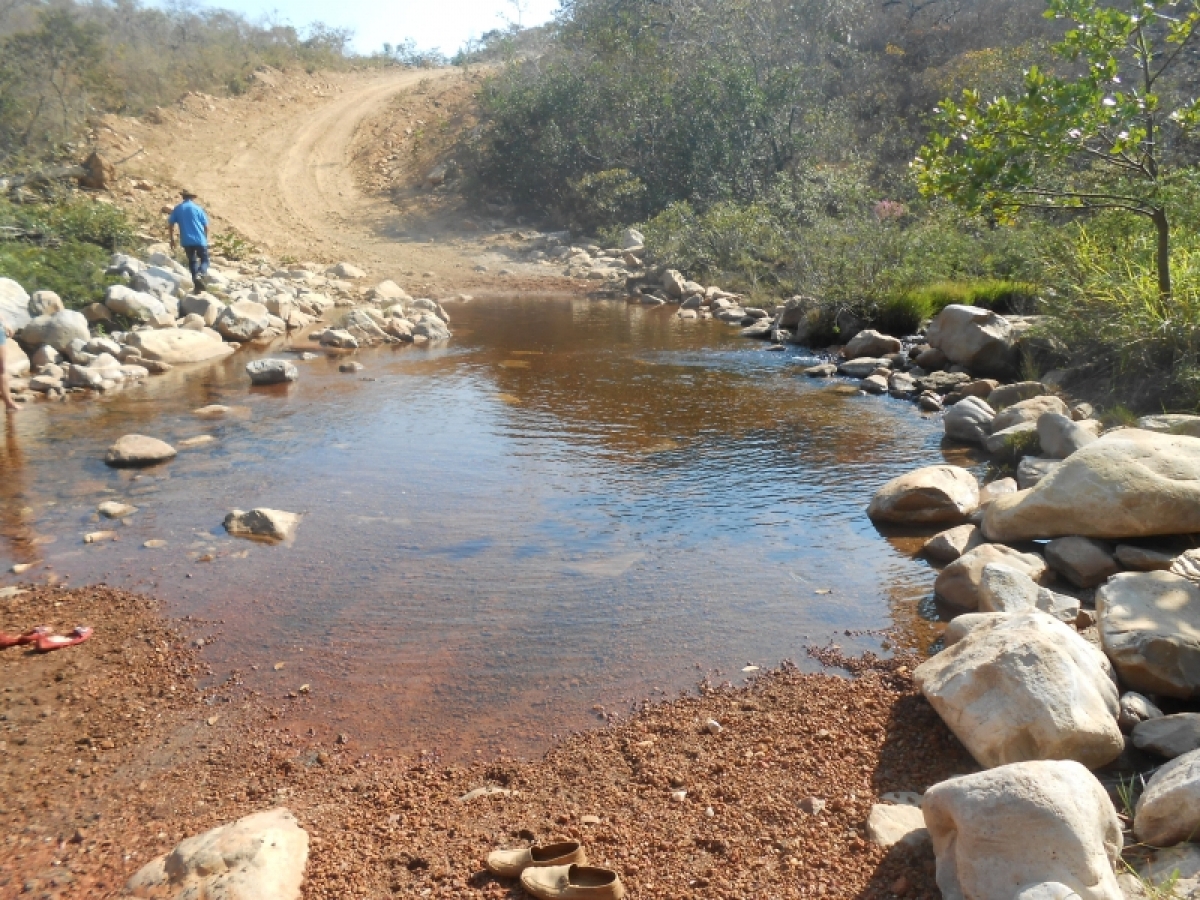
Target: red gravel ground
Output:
[{"x": 108, "y": 759}]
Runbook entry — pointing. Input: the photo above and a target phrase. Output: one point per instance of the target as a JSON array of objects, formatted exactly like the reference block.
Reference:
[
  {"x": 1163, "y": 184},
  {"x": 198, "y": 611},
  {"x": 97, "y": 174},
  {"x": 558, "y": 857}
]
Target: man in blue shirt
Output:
[{"x": 192, "y": 222}]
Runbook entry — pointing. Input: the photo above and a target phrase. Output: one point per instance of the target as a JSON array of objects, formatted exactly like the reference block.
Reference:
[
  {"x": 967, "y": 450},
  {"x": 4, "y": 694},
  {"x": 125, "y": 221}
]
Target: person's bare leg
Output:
[{"x": 5, "y": 396}]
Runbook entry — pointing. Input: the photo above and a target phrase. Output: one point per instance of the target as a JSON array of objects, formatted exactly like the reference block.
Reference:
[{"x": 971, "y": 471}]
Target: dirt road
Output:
[{"x": 277, "y": 166}]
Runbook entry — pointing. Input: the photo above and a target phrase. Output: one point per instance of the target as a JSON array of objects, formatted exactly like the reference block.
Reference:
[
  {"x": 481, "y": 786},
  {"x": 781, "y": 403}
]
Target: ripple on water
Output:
[{"x": 572, "y": 503}]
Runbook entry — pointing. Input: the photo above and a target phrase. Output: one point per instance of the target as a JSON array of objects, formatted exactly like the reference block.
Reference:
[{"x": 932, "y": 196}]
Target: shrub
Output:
[
  {"x": 996, "y": 294},
  {"x": 902, "y": 314},
  {"x": 62, "y": 245},
  {"x": 1115, "y": 325}
]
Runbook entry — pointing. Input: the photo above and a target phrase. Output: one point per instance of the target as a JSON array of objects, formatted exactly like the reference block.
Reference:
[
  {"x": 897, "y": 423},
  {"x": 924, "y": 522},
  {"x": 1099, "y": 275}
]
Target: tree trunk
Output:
[{"x": 1163, "y": 256}]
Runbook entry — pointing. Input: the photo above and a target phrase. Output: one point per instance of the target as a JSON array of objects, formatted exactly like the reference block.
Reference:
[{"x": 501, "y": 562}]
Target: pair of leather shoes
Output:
[{"x": 556, "y": 872}]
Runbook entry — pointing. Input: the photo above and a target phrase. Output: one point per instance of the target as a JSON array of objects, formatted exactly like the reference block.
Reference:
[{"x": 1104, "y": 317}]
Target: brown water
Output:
[{"x": 572, "y": 504}]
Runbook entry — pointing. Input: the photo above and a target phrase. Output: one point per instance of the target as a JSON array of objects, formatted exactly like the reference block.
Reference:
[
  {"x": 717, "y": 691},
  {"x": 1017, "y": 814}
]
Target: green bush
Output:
[
  {"x": 62, "y": 245},
  {"x": 1003, "y": 296},
  {"x": 902, "y": 314},
  {"x": 73, "y": 270},
  {"x": 1117, "y": 331},
  {"x": 606, "y": 199}
]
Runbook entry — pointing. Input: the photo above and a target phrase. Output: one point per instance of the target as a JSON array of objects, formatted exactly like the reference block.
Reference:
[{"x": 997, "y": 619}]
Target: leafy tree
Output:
[
  {"x": 49, "y": 73},
  {"x": 1112, "y": 133}
]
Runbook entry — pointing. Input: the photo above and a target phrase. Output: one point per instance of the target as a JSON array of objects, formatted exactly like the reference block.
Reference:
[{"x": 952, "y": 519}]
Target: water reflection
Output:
[{"x": 574, "y": 503}]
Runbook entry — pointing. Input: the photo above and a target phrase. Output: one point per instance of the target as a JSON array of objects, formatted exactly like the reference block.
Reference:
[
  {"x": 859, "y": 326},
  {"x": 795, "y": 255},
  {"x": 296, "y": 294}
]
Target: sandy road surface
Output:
[
  {"x": 280, "y": 172},
  {"x": 277, "y": 167}
]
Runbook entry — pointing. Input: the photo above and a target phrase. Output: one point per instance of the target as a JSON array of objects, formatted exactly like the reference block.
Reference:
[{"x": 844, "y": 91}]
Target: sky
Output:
[{"x": 444, "y": 24}]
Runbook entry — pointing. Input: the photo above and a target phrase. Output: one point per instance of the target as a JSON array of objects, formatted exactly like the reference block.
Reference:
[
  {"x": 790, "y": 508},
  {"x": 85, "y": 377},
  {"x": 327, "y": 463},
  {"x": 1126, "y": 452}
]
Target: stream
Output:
[{"x": 572, "y": 506}]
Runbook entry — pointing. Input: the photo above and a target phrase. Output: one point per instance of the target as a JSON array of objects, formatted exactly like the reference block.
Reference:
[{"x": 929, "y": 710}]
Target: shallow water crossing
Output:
[{"x": 572, "y": 506}]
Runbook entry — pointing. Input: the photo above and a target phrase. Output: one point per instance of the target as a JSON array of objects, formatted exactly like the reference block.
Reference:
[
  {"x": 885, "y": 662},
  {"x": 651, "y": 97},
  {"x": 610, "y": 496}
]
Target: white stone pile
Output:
[
  {"x": 151, "y": 321},
  {"x": 1076, "y": 617},
  {"x": 612, "y": 265}
]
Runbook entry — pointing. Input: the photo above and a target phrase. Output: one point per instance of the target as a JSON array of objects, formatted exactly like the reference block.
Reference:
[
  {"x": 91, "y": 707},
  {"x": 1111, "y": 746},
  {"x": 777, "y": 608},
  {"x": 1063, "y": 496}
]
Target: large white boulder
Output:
[
  {"x": 1168, "y": 811},
  {"x": 977, "y": 339},
  {"x": 1149, "y": 626},
  {"x": 970, "y": 419},
  {"x": 1024, "y": 686},
  {"x": 1128, "y": 483},
  {"x": 871, "y": 343},
  {"x": 932, "y": 495},
  {"x": 14, "y": 305},
  {"x": 959, "y": 584},
  {"x": 242, "y": 320},
  {"x": 177, "y": 345},
  {"x": 1010, "y": 831},
  {"x": 134, "y": 304},
  {"x": 57, "y": 330},
  {"x": 1028, "y": 411},
  {"x": 259, "y": 857}
]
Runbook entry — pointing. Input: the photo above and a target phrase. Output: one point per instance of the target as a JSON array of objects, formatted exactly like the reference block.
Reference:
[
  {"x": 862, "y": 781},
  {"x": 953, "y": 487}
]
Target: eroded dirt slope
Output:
[{"x": 293, "y": 167}]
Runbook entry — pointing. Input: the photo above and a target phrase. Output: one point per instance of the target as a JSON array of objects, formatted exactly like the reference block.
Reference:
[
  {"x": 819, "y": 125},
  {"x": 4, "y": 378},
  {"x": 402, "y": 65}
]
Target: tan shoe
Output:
[
  {"x": 511, "y": 863},
  {"x": 573, "y": 883}
]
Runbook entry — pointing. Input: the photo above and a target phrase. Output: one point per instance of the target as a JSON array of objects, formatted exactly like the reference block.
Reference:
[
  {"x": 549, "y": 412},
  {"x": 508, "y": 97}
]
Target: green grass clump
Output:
[
  {"x": 62, "y": 245},
  {"x": 902, "y": 314},
  {"x": 1119, "y": 331},
  {"x": 991, "y": 293}
]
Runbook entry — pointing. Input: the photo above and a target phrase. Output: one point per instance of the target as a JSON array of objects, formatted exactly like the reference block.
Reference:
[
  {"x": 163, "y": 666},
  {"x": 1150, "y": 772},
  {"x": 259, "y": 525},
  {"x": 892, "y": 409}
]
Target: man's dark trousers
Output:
[{"x": 197, "y": 258}]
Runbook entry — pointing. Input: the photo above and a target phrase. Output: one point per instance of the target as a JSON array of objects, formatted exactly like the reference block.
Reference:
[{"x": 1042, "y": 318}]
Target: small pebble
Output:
[{"x": 814, "y": 806}]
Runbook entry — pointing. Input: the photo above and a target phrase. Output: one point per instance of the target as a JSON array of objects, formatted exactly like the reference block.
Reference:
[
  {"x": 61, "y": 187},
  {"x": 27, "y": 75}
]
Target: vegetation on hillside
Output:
[
  {"x": 769, "y": 146},
  {"x": 62, "y": 245},
  {"x": 65, "y": 61}
]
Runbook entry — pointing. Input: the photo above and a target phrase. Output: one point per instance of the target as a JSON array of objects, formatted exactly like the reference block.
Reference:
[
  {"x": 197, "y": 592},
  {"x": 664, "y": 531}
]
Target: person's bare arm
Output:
[{"x": 171, "y": 234}]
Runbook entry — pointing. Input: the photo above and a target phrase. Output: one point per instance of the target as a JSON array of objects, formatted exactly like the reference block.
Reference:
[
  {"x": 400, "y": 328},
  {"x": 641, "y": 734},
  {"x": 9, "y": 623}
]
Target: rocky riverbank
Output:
[{"x": 150, "y": 322}]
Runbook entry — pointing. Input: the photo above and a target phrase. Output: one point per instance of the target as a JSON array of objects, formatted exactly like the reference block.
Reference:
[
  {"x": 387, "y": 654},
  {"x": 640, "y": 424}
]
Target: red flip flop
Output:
[
  {"x": 29, "y": 637},
  {"x": 47, "y": 642}
]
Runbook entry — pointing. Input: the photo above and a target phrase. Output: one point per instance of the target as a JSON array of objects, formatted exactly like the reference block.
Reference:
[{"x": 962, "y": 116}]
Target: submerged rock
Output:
[
  {"x": 265, "y": 523},
  {"x": 138, "y": 450}
]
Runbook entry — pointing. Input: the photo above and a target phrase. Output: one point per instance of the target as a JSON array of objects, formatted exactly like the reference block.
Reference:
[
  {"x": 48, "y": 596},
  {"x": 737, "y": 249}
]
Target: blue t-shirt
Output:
[{"x": 192, "y": 221}]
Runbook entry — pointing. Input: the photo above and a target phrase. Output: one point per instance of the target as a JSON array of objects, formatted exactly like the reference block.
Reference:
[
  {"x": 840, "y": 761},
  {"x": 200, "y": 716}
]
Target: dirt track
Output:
[{"x": 277, "y": 165}]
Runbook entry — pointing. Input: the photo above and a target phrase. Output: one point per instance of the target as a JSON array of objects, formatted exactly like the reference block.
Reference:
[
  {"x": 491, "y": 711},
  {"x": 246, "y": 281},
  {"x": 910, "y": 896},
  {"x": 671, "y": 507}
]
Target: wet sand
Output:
[{"x": 111, "y": 755}]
